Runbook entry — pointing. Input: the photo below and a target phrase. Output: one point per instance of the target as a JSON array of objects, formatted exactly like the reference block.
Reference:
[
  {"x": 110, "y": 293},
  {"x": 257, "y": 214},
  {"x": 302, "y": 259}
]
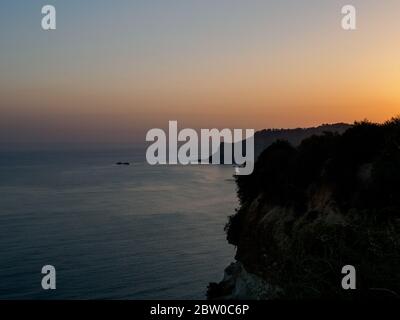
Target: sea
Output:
[{"x": 111, "y": 231}]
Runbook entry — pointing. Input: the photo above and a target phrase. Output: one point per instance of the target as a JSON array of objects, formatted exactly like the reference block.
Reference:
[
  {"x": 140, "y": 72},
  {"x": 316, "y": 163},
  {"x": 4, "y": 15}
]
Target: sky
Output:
[{"x": 115, "y": 69}]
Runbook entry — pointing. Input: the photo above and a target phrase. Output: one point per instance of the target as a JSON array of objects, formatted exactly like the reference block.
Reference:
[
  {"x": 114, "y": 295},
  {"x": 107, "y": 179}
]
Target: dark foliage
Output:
[
  {"x": 284, "y": 174},
  {"x": 303, "y": 252}
]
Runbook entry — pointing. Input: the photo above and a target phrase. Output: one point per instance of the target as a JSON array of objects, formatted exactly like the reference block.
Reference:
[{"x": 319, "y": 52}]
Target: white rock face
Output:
[{"x": 246, "y": 285}]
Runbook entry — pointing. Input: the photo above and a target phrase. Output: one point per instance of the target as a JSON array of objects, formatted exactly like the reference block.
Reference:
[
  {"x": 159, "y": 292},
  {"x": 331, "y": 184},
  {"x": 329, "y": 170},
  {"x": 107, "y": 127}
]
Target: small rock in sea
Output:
[{"x": 123, "y": 164}]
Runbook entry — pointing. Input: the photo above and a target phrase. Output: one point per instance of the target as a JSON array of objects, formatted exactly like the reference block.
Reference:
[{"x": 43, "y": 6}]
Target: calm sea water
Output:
[{"x": 112, "y": 232}]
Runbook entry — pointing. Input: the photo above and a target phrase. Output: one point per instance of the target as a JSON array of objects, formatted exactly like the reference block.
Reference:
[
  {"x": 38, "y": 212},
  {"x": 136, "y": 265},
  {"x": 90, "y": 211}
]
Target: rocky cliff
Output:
[{"x": 307, "y": 211}]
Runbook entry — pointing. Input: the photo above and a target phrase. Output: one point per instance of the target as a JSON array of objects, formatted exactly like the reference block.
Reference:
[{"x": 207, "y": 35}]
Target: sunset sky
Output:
[{"x": 115, "y": 69}]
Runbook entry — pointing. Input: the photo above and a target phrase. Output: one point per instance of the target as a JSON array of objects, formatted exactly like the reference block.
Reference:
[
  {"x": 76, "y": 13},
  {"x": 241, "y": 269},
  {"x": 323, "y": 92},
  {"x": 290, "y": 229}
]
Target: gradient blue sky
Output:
[{"x": 114, "y": 69}]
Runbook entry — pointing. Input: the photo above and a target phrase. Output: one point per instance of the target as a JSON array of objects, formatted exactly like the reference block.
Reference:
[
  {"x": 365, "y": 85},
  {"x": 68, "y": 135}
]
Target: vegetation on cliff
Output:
[{"x": 333, "y": 200}]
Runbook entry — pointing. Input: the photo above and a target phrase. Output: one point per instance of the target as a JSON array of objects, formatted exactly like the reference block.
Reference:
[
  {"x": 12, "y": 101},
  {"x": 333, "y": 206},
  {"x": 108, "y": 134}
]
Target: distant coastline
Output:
[{"x": 264, "y": 138}]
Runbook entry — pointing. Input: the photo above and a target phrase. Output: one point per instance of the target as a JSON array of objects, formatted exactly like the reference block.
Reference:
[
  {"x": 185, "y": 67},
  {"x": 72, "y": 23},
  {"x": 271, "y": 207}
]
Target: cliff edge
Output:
[{"x": 308, "y": 210}]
